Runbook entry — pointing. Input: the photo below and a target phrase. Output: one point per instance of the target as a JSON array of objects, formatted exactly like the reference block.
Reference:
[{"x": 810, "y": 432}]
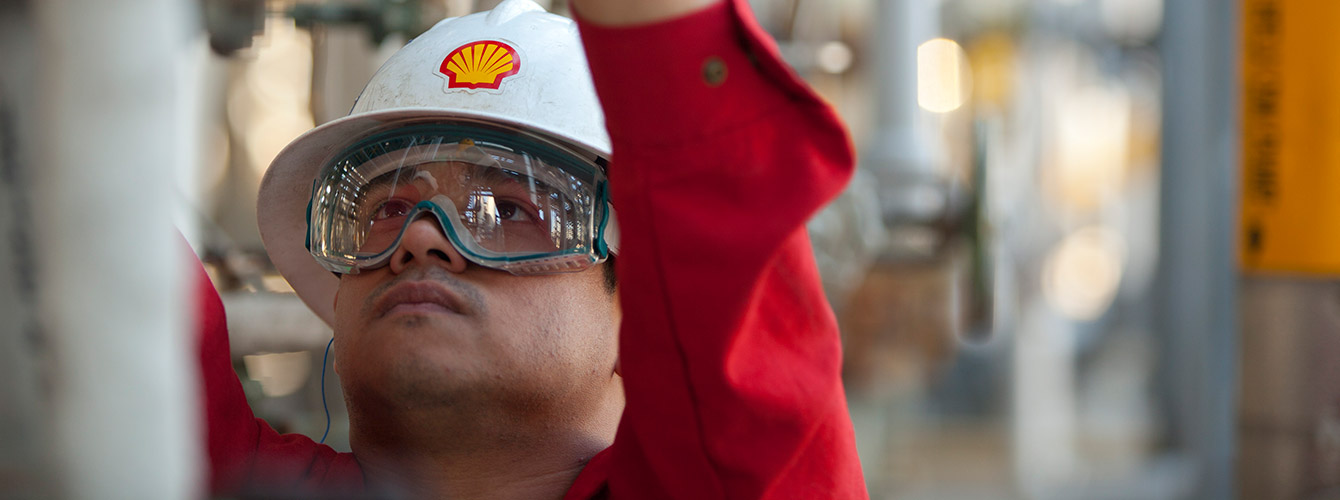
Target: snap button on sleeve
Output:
[{"x": 714, "y": 71}]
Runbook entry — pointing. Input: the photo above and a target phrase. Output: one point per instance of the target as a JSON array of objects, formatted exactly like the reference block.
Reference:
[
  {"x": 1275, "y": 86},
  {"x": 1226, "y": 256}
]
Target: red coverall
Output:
[{"x": 730, "y": 353}]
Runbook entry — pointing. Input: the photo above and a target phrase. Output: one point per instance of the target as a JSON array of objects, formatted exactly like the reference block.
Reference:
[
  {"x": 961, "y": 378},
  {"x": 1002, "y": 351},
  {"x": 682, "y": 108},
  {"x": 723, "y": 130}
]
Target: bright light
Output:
[
  {"x": 942, "y": 75},
  {"x": 1092, "y": 128},
  {"x": 1081, "y": 274},
  {"x": 834, "y": 57}
]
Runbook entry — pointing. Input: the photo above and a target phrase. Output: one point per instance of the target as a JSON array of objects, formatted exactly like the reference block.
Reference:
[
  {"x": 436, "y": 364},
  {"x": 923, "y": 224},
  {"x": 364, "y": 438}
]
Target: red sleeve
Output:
[
  {"x": 730, "y": 353},
  {"x": 244, "y": 452}
]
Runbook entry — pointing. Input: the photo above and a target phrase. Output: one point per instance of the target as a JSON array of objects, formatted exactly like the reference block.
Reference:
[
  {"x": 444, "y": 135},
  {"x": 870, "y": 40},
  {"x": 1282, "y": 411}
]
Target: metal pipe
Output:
[
  {"x": 903, "y": 144},
  {"x": 1197, "y": 279}
]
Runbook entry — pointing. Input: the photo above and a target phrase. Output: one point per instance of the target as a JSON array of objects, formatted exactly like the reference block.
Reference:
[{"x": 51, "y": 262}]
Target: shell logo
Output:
[{"x": 480, "y": 65}]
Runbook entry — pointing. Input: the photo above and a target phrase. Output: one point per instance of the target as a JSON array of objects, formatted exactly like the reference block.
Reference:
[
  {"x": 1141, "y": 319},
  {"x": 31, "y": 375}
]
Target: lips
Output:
[{"x": 418, "y": 296}]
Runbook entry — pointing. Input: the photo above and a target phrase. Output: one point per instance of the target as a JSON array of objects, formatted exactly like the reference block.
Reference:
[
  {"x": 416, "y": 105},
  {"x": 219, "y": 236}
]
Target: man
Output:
[{"x": 455, "y": 231}]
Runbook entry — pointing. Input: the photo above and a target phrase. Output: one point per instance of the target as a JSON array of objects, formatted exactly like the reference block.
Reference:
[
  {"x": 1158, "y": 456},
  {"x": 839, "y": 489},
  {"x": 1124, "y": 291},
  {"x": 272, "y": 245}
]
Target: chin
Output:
[
  {"x": 407, "y": 383},
  {"x": 410, "y": 352}
]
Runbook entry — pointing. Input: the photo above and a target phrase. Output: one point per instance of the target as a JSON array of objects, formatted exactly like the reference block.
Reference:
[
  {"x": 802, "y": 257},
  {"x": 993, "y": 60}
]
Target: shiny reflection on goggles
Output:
[{"x": 501, "y": 207}]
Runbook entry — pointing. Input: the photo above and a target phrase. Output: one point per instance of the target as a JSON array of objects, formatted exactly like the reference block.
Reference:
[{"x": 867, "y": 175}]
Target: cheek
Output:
[
  {"x": 349, "y": 298},
  {"x": 569, "y": 317},
  {"x": 600, "y": 308}
]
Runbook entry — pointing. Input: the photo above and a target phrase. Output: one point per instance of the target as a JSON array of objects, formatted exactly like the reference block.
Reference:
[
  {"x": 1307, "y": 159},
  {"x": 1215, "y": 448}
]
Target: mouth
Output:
[{"x": 418, "y": 297}]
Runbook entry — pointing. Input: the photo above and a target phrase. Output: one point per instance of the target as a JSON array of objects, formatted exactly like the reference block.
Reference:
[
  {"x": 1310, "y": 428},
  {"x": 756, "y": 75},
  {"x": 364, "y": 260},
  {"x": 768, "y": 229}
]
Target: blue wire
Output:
[{"x": 323, "y": 390}]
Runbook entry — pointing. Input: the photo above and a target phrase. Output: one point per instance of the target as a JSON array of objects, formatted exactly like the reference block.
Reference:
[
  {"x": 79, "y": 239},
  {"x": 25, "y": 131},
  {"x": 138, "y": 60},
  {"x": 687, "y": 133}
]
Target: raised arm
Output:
[
  {"x": 629, "y": 13},
  {"x": 245, "y": 454},
  {"x": 730, "y": 352}
]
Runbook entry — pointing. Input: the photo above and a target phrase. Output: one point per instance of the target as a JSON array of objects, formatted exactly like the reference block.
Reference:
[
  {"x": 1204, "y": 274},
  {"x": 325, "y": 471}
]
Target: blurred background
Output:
[{"x": 1091, "y": 251}]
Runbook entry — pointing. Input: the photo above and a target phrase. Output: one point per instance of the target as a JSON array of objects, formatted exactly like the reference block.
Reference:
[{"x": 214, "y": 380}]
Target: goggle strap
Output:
[
  {"x": 307, "y": 238},
  {"x": 602, "y": 248}
]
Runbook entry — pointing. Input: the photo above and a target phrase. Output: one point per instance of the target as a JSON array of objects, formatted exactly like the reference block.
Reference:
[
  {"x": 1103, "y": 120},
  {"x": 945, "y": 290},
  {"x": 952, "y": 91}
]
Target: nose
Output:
[{"x": 425, "y": 244}]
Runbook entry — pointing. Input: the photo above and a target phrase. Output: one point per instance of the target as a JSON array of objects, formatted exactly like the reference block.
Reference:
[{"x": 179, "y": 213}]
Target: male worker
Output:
[{"x": 457, "y": 231}]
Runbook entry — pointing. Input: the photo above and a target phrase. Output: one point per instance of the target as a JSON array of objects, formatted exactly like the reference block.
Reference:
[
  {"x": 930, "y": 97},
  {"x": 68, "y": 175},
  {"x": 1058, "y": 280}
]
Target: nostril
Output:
[{"x": 439, "y": 254}]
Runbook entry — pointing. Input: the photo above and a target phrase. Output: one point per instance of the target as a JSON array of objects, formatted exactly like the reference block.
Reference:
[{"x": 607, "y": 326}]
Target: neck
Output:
[{"x": 432, "y": 453}]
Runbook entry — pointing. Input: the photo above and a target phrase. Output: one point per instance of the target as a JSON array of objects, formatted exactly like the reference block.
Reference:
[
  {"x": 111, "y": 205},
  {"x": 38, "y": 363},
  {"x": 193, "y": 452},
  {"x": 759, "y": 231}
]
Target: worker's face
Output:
[{"x": 430, "y": 328}]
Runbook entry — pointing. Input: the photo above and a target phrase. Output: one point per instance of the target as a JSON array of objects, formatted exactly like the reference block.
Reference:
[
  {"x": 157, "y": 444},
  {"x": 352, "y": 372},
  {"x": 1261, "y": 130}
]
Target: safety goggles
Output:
[{"x": 504, "y": 200}]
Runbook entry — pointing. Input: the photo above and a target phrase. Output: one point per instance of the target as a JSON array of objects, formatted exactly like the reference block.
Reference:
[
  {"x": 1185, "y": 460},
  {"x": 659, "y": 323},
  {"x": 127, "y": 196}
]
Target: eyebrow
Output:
[
  {"x": 397, "y": 175},
  {"x": 502, "y": 174}
]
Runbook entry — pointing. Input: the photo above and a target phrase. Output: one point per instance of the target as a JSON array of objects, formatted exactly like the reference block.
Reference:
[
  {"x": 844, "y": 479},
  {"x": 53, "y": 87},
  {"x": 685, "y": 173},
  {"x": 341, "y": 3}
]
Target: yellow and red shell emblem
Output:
[{"x": 480, "y": 65}]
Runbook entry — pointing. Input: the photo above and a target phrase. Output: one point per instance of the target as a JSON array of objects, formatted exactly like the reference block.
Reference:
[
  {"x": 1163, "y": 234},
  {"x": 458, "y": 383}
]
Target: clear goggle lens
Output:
[{"x": 527, "y": 208}]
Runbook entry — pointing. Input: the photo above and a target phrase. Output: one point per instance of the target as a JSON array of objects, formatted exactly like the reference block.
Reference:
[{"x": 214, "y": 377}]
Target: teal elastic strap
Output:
[
  {"x": 602, "y": 248},
  {"x": 307, "y": 238},
  {"x": 450, "y": 230}
]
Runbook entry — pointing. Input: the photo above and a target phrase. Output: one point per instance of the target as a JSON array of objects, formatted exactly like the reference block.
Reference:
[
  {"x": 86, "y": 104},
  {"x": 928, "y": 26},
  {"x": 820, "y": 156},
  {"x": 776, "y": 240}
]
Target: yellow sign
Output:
[{"x": 1291, "y": 137}]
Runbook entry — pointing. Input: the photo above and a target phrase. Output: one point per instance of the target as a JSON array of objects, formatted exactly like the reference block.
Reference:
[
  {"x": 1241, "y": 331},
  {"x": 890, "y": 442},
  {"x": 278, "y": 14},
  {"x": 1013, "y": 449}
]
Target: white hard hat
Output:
[{"x": 515, "y": 67}]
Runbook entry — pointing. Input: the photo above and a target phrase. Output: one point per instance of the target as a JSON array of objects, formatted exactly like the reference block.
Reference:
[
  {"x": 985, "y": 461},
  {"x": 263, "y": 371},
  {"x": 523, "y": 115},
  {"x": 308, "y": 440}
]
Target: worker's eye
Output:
[
  {"x": 514, "y": 212},
  {"x": 392, "y": 208}
]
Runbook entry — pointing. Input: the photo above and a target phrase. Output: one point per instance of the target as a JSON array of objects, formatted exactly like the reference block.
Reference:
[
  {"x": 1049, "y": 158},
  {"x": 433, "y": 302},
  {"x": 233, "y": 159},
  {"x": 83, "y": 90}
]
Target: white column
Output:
[{"x": 113, "y": 297}]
